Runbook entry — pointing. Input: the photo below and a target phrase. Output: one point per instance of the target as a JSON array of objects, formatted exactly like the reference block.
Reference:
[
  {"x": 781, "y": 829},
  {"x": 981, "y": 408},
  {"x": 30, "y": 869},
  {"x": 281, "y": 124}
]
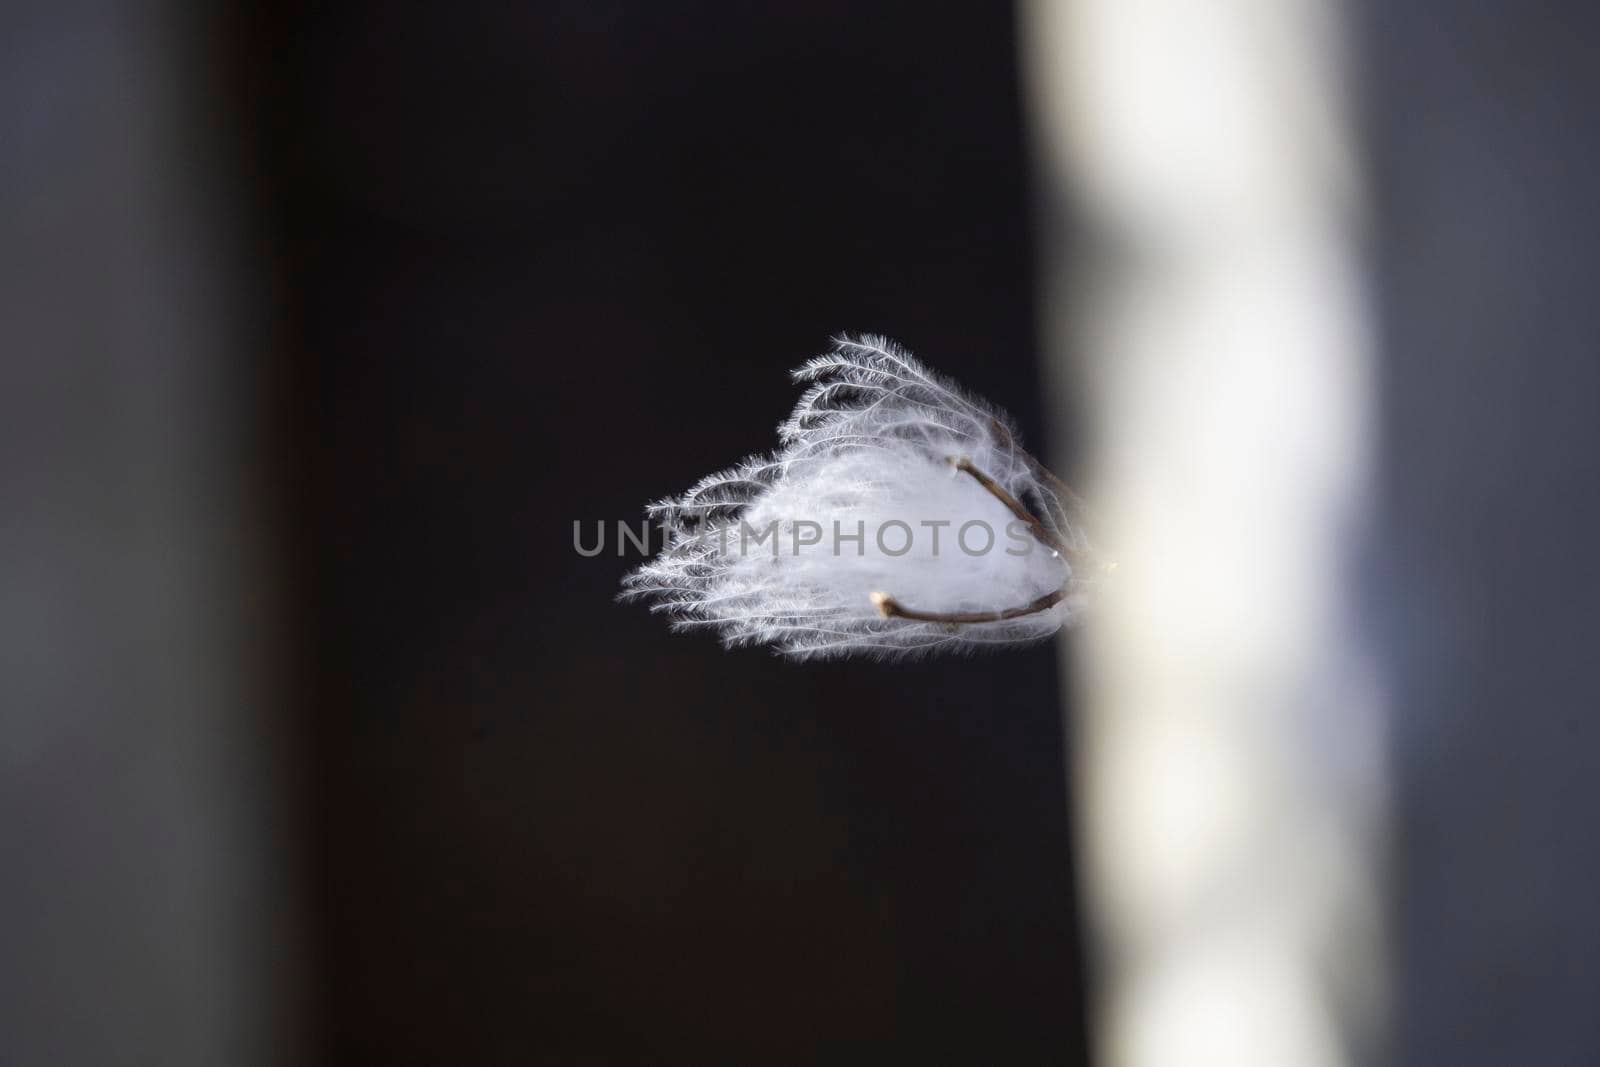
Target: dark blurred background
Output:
[
  {"x": 321, "y": 325},
  {"x": 1482, "y": 123},
  {"x": 539, "y": 264}
]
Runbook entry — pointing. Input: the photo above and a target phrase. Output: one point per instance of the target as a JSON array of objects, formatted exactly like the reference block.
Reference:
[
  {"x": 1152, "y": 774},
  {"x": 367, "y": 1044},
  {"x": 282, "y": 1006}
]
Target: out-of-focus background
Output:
[{"x": 321, "y": 326}]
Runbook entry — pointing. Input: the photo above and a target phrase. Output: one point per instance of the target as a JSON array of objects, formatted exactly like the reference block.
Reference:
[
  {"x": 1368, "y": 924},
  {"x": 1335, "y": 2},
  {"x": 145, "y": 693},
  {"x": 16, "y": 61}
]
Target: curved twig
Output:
[{"x": 890, "y": 608}]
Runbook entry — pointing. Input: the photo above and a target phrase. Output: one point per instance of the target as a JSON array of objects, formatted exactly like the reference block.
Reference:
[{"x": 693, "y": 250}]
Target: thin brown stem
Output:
[
  {"x": 890, "y": 608},
  {"x": 1040, "y": 532},
  {"x": 1061, "y": 488}
]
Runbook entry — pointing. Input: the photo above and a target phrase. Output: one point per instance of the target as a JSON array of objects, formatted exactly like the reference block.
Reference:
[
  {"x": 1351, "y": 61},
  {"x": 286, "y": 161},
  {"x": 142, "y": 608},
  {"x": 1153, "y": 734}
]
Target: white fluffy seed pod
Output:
[{"x": 898, "y": 517}]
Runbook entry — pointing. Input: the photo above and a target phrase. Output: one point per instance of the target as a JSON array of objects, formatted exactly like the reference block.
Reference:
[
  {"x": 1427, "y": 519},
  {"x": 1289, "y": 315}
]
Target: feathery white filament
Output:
[{"x": 864, "y": 498}]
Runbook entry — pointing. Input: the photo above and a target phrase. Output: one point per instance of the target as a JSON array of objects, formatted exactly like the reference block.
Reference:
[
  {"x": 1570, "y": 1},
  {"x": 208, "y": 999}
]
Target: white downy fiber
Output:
[{"x": 869, "y": 449}]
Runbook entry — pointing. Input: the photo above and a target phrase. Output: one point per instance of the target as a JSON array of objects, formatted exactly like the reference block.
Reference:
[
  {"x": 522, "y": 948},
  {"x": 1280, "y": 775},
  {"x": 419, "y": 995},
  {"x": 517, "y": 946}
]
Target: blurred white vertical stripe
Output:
[{"x": 1202, "y": 294}]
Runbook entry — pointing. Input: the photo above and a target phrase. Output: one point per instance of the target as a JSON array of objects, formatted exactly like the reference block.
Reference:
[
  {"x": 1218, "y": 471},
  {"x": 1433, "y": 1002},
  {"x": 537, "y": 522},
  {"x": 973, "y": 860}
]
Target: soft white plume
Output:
[{"x": 879, "y": 445}]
